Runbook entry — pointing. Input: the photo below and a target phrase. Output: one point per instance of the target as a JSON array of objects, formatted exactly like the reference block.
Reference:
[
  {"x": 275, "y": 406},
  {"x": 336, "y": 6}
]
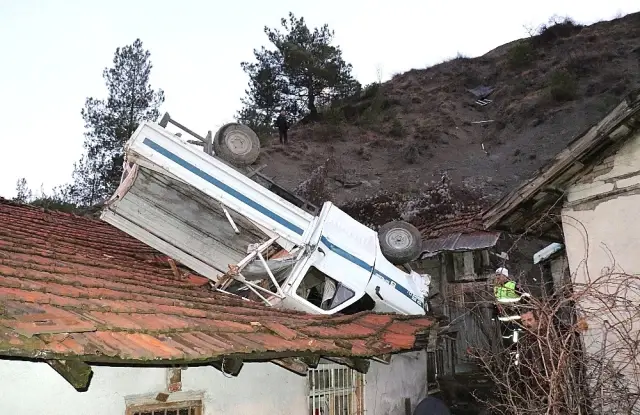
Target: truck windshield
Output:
[{"x": 323, "y": 291}]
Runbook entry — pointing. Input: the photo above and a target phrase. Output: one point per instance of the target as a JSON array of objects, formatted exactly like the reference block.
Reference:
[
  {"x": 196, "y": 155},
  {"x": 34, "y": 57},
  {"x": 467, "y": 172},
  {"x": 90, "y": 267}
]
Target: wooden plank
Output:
[
  {"x": 384, "y": 359},
  {"x": 213, "y": 250},
  {"x": 253, "y": 172},
  {"x": 153, "y": 186},
  {"x": 76, "y": 372},
  {"x": 160, "y": 245},
  {"x": 359, "y": 365},
  {"x": 292, "y": 364}
]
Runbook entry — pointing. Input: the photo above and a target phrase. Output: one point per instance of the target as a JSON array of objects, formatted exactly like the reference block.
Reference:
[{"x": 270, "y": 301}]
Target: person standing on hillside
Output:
[{"x": 283, "y": 126}]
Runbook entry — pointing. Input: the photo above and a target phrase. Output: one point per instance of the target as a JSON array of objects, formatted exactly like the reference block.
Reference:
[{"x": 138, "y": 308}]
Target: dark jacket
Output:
[{"x": 282, "y": 123}]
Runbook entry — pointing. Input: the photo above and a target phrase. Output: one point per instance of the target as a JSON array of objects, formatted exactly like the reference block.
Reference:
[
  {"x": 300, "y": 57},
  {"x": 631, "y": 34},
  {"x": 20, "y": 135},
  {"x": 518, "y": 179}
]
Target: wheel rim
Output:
[
  {"x": 237, "y": 142},
  {"x": 399, "y": 238}
]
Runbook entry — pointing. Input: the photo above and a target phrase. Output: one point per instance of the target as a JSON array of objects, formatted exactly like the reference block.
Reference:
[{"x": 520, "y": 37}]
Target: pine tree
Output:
[
  {"x": 111, "y": 122},
  {"x": 304, "y": 72}
]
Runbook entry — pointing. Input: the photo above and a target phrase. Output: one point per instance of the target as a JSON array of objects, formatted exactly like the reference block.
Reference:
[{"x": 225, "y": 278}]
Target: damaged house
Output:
[
  {"x": 459, "y": 256},
  {"x": 585, "y": 203},
  {"x": 94, "y": 322}
]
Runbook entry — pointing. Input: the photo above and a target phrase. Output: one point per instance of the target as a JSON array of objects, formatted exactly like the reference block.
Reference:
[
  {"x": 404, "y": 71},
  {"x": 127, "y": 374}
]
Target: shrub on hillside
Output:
[
  {"x": 411, "y": 153},
  {"x": 522, "y": 54},
  {"x": 334, "y": 115},
  {"x": 557, "y": 28},
  {"x": 563, "y": 86},
  {"x": 397, "y": 129},
  {"x": 370, "y": 91}
]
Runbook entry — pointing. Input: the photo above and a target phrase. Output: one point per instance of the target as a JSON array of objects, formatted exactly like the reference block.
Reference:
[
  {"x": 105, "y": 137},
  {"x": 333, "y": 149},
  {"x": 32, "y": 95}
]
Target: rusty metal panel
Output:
[{"x": 460, "y": 242}]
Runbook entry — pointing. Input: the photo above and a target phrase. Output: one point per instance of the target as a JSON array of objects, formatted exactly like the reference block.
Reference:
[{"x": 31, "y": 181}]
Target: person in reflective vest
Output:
[{"x": 504, "y": 289}]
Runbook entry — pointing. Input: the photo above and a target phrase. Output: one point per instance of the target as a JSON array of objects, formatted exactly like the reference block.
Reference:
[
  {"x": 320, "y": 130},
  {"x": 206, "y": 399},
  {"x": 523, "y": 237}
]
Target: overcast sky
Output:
[{"x": 53, "y": 53}]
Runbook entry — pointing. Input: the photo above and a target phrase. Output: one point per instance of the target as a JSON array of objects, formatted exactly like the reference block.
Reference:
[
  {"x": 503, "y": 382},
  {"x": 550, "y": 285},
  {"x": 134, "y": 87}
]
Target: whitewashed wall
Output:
[
  {"x": 601, "y": 224},
  {"x": 388, "y": 385},
  {"x": 261, "y": 388}
]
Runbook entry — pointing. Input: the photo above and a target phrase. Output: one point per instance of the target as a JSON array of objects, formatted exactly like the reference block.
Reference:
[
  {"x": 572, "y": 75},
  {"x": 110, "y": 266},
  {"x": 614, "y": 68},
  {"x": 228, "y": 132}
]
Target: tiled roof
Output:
[{"x": 77, "y": 288}]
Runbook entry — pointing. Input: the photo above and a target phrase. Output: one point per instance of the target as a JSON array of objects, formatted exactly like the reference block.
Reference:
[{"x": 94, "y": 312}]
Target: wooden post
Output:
[
  {"x": 407, "y": 406},
  {"x": 76, "y": 372}
]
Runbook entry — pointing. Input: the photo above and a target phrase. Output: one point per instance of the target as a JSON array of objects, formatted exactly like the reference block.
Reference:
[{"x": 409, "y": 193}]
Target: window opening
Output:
[
  {"x": 173, "y": 408},
  {"x": 335, "y": 390},
  {"x": 322, "y": 291}
]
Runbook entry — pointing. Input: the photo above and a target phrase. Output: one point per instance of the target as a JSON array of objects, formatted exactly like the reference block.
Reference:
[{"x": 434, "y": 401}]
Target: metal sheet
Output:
[
  {"x": 481, "y": 91},
  {"x": 460, "y": 241}
]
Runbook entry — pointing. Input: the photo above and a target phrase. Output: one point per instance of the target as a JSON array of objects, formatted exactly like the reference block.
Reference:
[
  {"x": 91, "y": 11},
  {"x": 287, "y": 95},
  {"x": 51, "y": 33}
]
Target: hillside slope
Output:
[{"x": 410, "y": 146}]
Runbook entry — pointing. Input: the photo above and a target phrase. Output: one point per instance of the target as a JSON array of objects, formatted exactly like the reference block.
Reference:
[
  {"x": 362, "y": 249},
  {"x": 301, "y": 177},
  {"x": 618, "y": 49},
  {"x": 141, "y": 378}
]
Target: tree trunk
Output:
[{"x": 311, "y": 105}]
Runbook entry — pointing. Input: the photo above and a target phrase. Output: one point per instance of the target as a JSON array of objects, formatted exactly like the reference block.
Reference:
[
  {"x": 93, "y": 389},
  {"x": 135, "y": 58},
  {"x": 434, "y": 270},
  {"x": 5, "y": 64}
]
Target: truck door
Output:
[
  {"x": 337, "y": 273},
  {"x": 393, "y": 290}
]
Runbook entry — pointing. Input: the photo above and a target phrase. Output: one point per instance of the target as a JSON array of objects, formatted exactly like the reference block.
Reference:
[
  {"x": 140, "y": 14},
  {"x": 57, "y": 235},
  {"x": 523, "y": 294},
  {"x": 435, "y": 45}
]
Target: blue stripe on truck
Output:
[
  {"x": 346, "y": 255},
  {"x": 244, "y": 199},
  {"x": 225, "y": 188}
]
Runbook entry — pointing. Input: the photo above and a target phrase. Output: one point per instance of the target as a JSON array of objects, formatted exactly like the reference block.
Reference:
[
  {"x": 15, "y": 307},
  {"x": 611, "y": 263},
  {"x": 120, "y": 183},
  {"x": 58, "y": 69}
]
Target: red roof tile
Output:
[{"x": 75, "y": 287}]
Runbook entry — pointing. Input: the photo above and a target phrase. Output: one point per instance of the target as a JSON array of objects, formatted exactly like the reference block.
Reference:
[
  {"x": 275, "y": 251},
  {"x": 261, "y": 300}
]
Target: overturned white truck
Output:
[{"x": 198, "y": 209}]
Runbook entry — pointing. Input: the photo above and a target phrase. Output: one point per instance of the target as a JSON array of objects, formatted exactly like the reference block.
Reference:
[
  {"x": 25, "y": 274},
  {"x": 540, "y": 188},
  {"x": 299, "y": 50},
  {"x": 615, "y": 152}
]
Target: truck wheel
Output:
[
  {"x": 236, "y": 144},
  {"x": 400, "y": 242}
]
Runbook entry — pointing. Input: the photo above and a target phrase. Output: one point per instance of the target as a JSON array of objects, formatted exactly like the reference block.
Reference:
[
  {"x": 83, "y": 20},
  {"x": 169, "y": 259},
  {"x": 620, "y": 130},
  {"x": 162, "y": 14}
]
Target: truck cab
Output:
[{"x": 346, "y": 270}]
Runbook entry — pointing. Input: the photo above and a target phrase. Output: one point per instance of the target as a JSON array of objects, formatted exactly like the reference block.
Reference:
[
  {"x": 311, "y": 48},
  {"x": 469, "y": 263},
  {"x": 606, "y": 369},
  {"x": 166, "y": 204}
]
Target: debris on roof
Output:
[{"x": 77, "y": 290}]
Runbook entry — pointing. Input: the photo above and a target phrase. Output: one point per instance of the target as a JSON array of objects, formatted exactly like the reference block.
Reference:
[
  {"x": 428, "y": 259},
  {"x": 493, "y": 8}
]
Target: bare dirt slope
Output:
[{"x": 396, "y": 141}]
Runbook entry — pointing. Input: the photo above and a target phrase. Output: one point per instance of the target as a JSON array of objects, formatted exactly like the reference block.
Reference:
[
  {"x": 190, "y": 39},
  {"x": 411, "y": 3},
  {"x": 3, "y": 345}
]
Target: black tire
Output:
[
  {"x": 236, "y": 144},
  {"x": 400, "y": 242}
]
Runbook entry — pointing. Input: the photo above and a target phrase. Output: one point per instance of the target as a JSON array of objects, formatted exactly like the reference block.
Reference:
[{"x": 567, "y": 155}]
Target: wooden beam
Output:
[
  {"x": 229, "y": 366},
  {"x": 311, "y": 361},
  {"x": 76, "y": 372},
  {"x": 359, "y": 365},
  {"x": 293, "y": 364},
  {"x": 407, "y": 406},
  {"x": 384, "y": 359}
]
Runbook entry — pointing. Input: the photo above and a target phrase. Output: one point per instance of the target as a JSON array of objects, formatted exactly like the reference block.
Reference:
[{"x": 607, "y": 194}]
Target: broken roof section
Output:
[
  {"x": 462, "y": 233},
  {"x": 78, "y": 289},
  {"x": 534, "y": 206}
]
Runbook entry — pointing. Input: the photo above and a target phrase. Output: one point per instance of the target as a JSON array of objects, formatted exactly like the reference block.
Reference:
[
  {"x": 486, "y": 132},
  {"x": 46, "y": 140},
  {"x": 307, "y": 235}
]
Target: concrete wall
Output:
[
  {"x": 601, "y": 219},
  {"x": 601, "y": 222},
  {"x": 387, "y": 386},
  {"x": 261, "y": 388}
]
